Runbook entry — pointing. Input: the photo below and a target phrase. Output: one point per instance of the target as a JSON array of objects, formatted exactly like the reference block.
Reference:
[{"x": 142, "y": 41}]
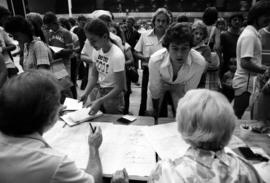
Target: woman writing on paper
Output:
[
  {"x": 108, "y": 70},
  {"x": 206, "y": 121},
  {"x": 30, "y": 104}
]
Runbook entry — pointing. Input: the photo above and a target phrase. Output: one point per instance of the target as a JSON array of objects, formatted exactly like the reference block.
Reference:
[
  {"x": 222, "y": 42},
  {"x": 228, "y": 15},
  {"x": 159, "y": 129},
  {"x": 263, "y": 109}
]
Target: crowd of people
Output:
[{"x": 209, "y": 71}]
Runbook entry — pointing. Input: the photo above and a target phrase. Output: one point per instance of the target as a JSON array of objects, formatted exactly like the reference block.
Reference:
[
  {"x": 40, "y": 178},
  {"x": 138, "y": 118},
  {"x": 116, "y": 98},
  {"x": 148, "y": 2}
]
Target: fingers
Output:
[{"x": 120, "y": 176}]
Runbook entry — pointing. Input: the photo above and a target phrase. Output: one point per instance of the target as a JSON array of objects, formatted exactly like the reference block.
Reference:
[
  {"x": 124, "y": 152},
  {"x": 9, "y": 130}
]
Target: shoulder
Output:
[
  {"x": 197, "y": 58},
  {"x": 158, "y": 56}
]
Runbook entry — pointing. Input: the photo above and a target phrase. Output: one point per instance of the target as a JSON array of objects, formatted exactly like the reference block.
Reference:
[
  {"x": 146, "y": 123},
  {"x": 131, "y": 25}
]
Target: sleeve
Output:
[
  {"x": 118, "y": 61},
  {"x": 154, "y": 79},
  {"x": 193, "y": 82},
  {"x": 68, "y": 40},
  {"x": 68, "y": 172},
  {"x": 165, "y": 172},
  {"x": 247, "y": 47},
  {"x": 139, "y": 45},
  {"x": 41, "y": 53},
  {"x": 87, "y": 49}
]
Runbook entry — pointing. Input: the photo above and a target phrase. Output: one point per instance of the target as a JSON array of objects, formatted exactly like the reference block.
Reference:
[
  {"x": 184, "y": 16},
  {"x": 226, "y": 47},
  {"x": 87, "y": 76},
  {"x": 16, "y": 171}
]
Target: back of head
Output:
[
  {"x": 106, "y": 18},
  {"x": 65, "y": 23},
  {"x": 29, "y": 102},
  {"x": 19, "y": 24},
  {"x": 210, "y": 16},
  {"x": 177, "y": 33},
  {"x": 205, "y": 119},
  {"x": 96, "y": 27},
  {"x": 49, "y": 18},
  {"x": 35, "y": 17},
  {"x": 182, "y": 18},
  {"x": 4, "y": 12},
  {"x": 261, "y": 8}
]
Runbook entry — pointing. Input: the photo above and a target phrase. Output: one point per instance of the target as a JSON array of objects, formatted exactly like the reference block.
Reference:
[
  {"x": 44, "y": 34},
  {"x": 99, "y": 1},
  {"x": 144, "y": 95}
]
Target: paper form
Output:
[
  {"x": 126, "y": 147},
  {"x": 122, "y": 147},
  {"x": 56, "y": 49},
  {"x": 72, "y": 104},
  {"x": 166, "y": 140}
]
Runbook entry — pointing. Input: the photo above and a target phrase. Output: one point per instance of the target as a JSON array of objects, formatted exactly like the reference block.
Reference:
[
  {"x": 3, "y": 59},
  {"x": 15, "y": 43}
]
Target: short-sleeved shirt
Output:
[
  {"x": 87, "y": 49},
  {"x": 5, "y": 40},
  {"x": 201, "y": 166},
  {"x": 148, "y": 43},
  {"x": 107, "y": 64},
  {"x": 248, "y": 45},
  {"x": 30, "y": 159},
  {"x": 35, "y": 53},
  {"x": 61, "y": 38},
  {"x": 161, "y": 74}
]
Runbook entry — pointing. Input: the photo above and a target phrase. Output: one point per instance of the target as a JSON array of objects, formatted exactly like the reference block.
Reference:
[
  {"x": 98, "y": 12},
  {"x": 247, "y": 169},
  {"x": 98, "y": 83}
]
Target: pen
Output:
[{"x": 93, "y": 129}]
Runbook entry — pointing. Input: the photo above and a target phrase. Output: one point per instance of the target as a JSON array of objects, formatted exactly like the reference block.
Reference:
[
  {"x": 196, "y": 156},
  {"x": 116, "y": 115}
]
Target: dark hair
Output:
[
  {"x": 36, "y": 21},
  {"x": 178, "y": 33},
  {"x": 65, "y": 23},
  {"x": 97, "y": 27},
  {"x": 182, "y": 18},
  {"x": 72, "y": 21},
  {"x": 82, "y": 18},
  {"x": 49, "y": 18},
  {"x": 19, "y": 24},
  {"x": 238, "y": 15},
  {"x": 29, "y": 102},
  {"x": 161, "y": 11},
  {"x": 259, "y": 9},
  {"x": 106, "y": 18},
  {"x": 210, "y": 15}
]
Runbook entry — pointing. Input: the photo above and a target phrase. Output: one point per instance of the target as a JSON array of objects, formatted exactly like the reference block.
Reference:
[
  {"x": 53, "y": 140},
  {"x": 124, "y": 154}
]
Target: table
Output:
[{"x": 253, "y": 139}]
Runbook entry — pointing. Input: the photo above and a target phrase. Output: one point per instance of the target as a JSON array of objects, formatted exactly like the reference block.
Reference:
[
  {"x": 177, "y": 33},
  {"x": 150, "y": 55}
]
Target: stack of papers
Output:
[{"x": 79, "y": 115}]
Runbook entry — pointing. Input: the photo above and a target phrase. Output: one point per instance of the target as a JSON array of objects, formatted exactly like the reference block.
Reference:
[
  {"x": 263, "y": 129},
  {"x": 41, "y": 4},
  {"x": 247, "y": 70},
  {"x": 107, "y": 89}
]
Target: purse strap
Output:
[{"x": 211, "y": 35}]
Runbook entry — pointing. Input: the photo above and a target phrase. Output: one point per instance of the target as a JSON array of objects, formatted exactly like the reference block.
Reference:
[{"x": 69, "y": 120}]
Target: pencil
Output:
[{"x": 93, "y": 129}]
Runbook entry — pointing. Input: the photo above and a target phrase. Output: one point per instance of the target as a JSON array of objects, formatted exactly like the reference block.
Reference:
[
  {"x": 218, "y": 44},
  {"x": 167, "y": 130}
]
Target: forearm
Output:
[
  {"x": 139, "y": 55},
  {"x": 113, "y": 93},
  {"x": 90, "y": 85},
  {"x": 252, "y": 67},
  {"x": 86, "y": 59},
  {"x": 94, "y": 165},
  {"x": 9, "y": 48}
]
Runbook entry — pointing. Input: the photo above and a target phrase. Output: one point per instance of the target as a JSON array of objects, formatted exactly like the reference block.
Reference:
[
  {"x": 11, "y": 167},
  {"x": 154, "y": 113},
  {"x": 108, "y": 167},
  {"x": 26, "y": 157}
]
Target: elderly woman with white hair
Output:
[{"x": 206, "y": 121}]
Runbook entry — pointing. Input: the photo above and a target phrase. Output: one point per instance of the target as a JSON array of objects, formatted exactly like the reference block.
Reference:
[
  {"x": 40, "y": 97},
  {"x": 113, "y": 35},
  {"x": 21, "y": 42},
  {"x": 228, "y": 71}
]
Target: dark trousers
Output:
[
  {"x": 73, "y": 76},
  {"x": 228, "y": 91},
  {"x": 145, "y": 79},
  {"x": 241, "y": 103},
  {"x": 127, "y": 95}
]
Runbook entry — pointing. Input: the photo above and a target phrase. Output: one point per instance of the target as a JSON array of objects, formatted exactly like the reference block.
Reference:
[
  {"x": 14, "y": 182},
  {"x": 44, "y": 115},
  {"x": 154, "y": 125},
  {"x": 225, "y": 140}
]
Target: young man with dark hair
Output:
[{"x": 176, "y": 68}]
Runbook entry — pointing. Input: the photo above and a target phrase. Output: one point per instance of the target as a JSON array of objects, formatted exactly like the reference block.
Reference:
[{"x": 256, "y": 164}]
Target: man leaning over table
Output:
[{"x": 176, "y": 68}]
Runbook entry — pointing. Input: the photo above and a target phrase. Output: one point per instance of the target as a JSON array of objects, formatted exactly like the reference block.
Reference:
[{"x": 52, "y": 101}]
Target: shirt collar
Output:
[{"x": 205, "y": 157}]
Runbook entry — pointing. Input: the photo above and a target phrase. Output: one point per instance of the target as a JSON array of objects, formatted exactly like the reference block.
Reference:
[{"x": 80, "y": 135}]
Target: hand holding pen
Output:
[{"x": 95, "y": 137}]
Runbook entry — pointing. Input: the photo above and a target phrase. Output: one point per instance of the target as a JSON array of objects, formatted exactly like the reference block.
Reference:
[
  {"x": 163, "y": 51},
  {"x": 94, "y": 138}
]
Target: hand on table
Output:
[
  {"x": 95, "y": 106},
  {"x": 95, "y": 139},
  {"x": 120, "y": 176}
]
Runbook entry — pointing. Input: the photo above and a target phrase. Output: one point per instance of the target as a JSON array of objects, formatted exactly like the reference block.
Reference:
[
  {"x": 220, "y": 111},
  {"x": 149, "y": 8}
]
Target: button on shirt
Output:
[
  {"x": 29, "y": 159},
  {"x": 161, "y": 74},
  {"x": 148, "y": 43},
  {"x": 248, "y": 45}
]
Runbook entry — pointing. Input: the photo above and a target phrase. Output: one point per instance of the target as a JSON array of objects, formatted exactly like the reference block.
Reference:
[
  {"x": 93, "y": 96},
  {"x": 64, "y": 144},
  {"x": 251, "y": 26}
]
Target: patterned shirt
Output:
[{"x": 200, "y": 166}]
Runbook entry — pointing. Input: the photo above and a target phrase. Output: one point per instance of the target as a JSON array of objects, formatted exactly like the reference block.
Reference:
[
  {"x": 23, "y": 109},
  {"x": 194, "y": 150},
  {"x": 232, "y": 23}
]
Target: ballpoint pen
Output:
[{"x": 93, "y": 129}]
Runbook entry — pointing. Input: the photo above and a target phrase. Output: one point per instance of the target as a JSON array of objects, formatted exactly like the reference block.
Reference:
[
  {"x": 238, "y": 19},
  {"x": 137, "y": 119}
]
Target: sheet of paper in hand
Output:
[
  {"x": 72, "y": 104},
  {"x": 79, "y": 116}
]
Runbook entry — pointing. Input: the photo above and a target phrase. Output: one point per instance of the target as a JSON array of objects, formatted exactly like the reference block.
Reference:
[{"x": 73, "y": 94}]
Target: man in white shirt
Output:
[
  {"x": 149, "y": 42},
  {"x": 249, "y": 56},
  {"x": 176, "y": 68}
]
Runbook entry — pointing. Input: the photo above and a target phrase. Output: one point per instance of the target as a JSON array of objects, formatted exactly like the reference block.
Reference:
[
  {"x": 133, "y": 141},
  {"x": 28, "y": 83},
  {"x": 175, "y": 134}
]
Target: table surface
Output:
[{"x": 252, "y": 139}]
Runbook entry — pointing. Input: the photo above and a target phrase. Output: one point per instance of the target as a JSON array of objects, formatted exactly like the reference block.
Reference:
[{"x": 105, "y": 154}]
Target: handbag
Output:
[{"x": 132, "y": 74}]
